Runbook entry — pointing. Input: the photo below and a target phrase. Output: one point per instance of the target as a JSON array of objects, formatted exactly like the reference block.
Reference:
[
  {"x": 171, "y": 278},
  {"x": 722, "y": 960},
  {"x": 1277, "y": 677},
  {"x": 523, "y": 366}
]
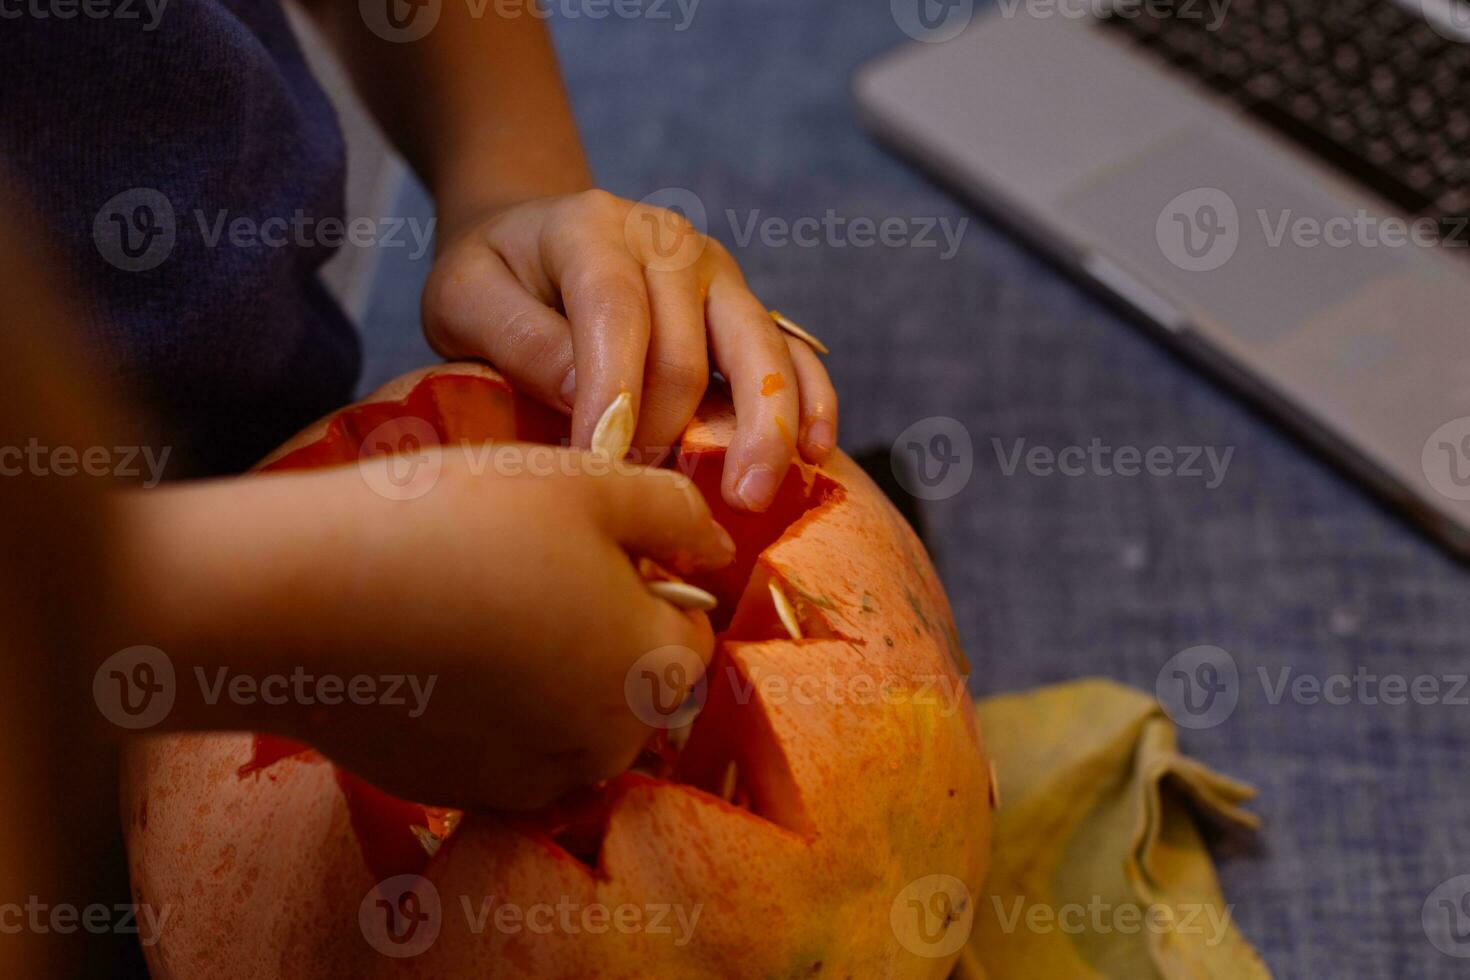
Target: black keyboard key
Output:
[{"x": 1365, "y": 85}]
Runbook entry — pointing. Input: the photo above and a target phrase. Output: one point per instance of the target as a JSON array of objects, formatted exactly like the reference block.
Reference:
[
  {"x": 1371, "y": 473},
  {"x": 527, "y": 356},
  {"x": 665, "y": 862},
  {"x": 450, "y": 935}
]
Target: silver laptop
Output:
[{"x": 1281, "y": 187}]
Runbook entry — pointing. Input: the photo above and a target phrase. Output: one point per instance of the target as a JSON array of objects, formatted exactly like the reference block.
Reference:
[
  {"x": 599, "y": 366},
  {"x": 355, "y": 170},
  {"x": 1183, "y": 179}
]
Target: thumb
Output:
[{"x": 660, "y": 514}]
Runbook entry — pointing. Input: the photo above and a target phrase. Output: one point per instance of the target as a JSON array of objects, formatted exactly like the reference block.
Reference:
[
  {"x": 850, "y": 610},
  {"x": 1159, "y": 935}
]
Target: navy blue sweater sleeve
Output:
[{"x": 192, "y": 170}]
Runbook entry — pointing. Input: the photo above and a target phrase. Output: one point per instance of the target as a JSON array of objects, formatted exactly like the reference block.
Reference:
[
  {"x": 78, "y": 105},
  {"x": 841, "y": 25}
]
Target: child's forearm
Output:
[
  {"x": 476, "y": 104},
  {"x": 229, "y": 579}
]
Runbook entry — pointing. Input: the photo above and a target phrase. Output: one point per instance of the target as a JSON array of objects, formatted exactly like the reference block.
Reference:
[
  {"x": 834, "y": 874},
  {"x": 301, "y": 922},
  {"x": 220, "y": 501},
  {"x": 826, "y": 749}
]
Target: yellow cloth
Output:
[{"x": 1099, "y": 869}]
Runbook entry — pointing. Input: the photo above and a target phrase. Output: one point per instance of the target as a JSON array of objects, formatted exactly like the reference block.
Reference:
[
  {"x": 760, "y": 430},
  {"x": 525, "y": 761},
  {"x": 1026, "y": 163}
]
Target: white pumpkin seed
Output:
[
  {"x": 614, "y": 433},
  {"x": 684, "y": 595},
  {"x": 426, "y": 839},
  {"x": 785, "y": 611},
  {"x": 727, "y": 787},
  {"x": 788, "y": 325}
]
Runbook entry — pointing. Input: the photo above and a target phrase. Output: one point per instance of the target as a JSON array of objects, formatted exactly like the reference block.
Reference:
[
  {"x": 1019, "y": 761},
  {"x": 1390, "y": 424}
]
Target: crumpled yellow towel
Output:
[{"x": 1099, "y": 869}]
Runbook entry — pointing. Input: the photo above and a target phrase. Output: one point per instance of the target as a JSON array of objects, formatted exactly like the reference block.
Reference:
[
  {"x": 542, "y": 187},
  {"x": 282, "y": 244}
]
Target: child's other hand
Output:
[
  {"x": 580, "y": 297},
  {"x": 507, "y": 585}
]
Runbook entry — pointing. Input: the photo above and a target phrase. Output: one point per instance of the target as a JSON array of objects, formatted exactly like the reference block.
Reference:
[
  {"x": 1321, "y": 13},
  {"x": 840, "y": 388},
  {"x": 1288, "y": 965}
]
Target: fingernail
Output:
[
  {"x": 726, "y": 542},
  {"x": 757, "y": 487},
  {"x": 569, "y": 389},
  {"x": 821, "y": 436}
]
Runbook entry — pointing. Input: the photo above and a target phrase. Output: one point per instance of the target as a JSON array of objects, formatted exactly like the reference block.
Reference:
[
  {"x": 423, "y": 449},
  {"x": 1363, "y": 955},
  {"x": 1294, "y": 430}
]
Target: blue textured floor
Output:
[{"x": 1285, "y": 564}]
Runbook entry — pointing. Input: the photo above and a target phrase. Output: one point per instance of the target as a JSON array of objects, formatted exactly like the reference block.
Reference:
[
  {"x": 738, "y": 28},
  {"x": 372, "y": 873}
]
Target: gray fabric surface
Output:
[{"x": 1284, "y": 564}]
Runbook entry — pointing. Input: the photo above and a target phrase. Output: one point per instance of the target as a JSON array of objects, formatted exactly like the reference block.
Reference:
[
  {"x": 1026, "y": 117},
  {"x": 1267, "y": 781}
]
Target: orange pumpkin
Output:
[{"x": 829, "y": 814}]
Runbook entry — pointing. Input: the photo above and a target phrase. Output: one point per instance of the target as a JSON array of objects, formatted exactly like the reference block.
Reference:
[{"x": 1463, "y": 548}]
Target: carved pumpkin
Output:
[{"x": 829, "y": 783}]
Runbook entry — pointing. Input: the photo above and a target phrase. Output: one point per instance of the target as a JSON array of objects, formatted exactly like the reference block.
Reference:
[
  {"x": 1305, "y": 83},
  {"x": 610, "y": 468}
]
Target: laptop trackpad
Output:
[{"x": 1255, "y": 246}]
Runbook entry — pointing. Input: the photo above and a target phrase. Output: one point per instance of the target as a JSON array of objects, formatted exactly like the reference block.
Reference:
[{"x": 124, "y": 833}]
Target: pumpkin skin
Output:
[{"x": 263, "y": 853}]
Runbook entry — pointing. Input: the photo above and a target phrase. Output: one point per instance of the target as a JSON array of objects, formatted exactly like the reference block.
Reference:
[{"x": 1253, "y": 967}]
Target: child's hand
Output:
[
  {"x": 515, "y": 594},
  {"x": 580, "y": 297}
]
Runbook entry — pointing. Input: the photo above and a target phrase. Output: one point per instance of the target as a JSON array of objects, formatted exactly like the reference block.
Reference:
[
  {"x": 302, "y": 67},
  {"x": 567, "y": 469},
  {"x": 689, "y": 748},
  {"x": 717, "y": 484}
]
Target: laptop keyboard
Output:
[{"x": 1366, "y": 85}]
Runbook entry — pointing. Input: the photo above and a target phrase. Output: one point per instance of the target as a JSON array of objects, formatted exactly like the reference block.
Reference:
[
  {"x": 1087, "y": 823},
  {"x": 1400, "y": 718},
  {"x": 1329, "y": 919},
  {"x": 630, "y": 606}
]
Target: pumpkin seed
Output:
[
  {"x": 994, "y": 787},
  {"x": 614, "y": 433},
  {"x": 683, "y": 595},
  {"x": 727, "y": 787},
  {"x": 786, "y": 324},
  {"x": 426, "y": 839},
  {"x": 785, "y": 610}
]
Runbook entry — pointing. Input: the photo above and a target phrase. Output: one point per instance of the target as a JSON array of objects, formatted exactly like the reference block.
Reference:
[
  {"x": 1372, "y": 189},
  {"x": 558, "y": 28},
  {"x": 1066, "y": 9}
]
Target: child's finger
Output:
[
  {"x": 677, "y": 370},
  {"x": 818, "y": 402},
  {"x": 752, "y": 353},
  {"x": 660, "y": 514},
  {"x": 606, "y": 300},
  {"x": 477, "y": 308}
]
